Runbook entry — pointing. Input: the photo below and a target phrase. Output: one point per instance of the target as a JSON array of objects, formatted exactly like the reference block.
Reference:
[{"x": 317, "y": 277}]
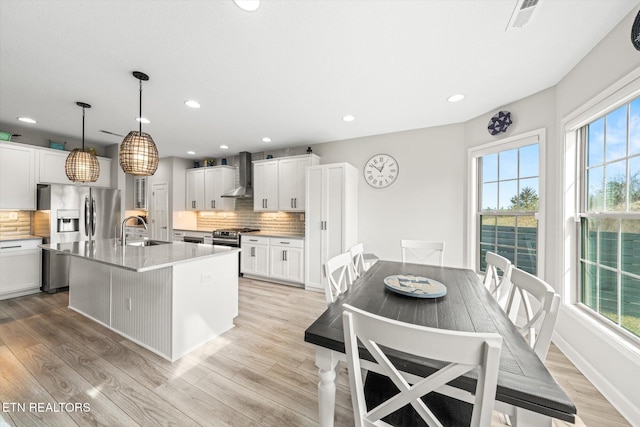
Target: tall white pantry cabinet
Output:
[{"x": 332, "y": 217}]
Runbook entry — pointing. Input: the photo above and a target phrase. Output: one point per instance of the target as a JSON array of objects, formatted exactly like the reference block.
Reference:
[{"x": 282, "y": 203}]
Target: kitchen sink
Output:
[{"x": 147, "y": 243}]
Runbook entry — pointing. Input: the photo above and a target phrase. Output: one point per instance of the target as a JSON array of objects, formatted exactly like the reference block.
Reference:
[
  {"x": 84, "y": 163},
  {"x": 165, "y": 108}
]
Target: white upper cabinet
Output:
[
  {"x": 52, "y": 169},
  {"x": 265, "y": 185},
  {"x": 195, "y": 190},
  {"x": 219, "y": 180},
  {"x": 280, "y": 184},
  {"x": 17, "y": 176},
  {"x": 205, "y": 187},
  {"x": 292, "y": 173}
]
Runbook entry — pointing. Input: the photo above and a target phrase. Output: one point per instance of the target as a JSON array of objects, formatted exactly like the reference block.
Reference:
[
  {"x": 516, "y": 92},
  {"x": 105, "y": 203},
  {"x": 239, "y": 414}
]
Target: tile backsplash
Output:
[
  {"x": 15, "y": 223},
  {"x": 244, "y": 216}
]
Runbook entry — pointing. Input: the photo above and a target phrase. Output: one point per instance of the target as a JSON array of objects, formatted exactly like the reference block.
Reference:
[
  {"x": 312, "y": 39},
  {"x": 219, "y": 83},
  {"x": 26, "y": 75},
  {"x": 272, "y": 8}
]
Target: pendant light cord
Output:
[
  {"x": 82, "y": 129},
  {"x": 140, "y": 115}
]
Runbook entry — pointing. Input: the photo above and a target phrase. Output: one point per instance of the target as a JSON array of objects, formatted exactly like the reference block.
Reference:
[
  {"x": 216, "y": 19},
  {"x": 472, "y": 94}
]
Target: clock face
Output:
[{"x": 381, "y": 171}]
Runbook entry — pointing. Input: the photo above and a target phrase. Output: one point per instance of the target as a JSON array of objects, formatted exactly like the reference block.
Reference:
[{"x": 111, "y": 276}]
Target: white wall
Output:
[
  {"x": 611, "y": 363},
  {"x": 427, "y": 200}
]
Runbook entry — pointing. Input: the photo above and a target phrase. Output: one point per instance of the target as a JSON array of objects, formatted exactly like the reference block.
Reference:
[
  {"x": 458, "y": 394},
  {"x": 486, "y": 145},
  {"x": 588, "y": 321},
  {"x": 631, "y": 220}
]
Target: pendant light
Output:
[
  {"x": 138, "y": 152},
  {"x": 81, "y": 165}
]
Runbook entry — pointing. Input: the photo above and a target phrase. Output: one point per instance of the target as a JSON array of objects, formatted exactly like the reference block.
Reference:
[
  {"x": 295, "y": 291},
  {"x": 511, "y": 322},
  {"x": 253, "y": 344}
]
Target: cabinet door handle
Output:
[
  {"x": 253, "y": 251},
  {"x": 213, "y": 204},
  {"x": 11, "y": 247},
  {"x": 295, "y": 203},
  {"x": 86, "y": 215},
  {"x": 193, "y": 204},
  {"x": 292, "y": 202},
  {"x": 266, "y": 203},
  {"x": 284, "y": 255},
  {"x": 285, "y": 243}
]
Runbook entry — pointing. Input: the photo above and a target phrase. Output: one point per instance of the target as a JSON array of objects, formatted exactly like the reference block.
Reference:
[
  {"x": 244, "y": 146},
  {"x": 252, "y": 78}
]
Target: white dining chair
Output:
[
  {"x": 361, "y": 261},
  {"x": 340, "y": 275},
  {"x": 497, "y": 278},
  {"x": 461, "y": 352},
  {"x": 421, "y": 252},
  {"x": 539, "y": 325}
]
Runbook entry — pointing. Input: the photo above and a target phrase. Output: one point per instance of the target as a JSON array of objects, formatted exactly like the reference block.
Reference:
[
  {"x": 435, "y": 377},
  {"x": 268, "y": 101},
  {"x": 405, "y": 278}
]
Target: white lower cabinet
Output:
[
  {"x": 255, "y": 256},
  {"x": 273, "y": 258},
  {"x": 20, "y": 267},
  {"x": 287, "y": 259}
]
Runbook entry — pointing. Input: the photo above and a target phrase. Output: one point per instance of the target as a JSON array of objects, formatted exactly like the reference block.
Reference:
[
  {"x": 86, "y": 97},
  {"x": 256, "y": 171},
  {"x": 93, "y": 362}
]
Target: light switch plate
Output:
[{"x": 13, "y": 216}]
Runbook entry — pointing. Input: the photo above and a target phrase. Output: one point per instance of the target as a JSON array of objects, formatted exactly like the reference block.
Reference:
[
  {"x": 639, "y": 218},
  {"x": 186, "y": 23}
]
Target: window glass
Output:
[
  {"x": 508, "y": 164},
  {"x": 509, "y": 198},
  {"x": 610, "y": 223},
  {"x": 616, "y": 186},
  {"x": 490, "y": 168},
  {"x": 616, "y": 134},
  {"x": 596, "y": 143},
  {"x": 634, "y": 127}
]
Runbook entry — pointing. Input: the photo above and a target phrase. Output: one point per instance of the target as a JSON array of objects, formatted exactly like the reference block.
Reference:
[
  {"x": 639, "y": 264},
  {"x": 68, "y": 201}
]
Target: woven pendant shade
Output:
[
  {"x": 82, "y": 166},
  {"x": 138, "y": 154}
]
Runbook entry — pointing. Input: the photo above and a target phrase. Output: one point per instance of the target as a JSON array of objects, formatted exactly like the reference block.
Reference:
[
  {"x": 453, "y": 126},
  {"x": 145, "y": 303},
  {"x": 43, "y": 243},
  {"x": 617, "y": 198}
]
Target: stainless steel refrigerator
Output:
[{"x": 70, "y": 213}]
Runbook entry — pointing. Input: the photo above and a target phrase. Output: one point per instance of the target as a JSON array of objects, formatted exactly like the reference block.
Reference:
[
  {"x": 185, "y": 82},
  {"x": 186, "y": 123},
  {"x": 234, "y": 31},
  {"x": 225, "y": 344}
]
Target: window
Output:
[
  {"x": 610, "y": 217},
  {"x": 509, "y": 182}
]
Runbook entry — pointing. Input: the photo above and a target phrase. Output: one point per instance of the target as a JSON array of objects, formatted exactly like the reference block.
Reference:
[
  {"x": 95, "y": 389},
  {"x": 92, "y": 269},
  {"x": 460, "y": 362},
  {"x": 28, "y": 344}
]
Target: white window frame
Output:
[
  {"x": 618, "y": 94},
  {"x": 537, "y": 136}
]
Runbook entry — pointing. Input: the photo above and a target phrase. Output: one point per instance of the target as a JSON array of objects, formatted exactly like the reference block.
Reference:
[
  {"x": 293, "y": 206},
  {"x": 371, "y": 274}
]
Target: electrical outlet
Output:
[
  {"x": 206, "y": 277},
  {"x": 13, "y": 216},
  {"x": 128, "y": 301},
  {"x": 301, "y": 217}
]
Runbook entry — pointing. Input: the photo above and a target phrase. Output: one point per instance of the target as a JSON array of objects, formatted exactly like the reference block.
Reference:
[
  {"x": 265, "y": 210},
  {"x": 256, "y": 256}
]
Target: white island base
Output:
[{"x": 169, "y": 311}]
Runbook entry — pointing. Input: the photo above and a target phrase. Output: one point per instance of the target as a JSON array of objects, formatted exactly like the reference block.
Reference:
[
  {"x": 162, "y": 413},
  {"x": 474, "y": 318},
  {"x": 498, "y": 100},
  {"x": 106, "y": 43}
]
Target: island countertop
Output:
[{"x": 137, "y": 258}]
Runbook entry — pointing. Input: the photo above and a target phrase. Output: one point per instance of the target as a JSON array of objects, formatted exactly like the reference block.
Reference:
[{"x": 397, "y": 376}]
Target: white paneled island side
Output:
[{"x": 169, "y": 298}]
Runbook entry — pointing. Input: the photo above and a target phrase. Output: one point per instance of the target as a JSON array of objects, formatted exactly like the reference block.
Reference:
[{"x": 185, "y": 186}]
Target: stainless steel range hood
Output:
[{"x": 245, "y": 190}]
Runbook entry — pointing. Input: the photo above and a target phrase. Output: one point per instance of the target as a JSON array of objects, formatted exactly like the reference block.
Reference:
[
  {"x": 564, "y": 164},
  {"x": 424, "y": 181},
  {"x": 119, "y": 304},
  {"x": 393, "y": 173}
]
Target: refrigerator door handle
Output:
[
  {"x": 94, "y": 214},
  {"x": 86, "y": 215}
]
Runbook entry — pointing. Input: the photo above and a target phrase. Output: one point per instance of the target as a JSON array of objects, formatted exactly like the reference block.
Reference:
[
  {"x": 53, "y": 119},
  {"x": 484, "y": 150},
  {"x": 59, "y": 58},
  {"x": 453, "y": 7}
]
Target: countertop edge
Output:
[{"x": 19, "y": 237}]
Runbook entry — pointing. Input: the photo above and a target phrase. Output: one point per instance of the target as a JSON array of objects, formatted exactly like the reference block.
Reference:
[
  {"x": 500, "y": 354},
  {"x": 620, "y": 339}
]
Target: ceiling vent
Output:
[{"x": 522, "y": 14}]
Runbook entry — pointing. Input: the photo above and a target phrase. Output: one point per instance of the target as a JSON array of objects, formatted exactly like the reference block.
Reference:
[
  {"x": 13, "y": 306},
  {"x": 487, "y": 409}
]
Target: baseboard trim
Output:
[{"x": 626, "y": 408}]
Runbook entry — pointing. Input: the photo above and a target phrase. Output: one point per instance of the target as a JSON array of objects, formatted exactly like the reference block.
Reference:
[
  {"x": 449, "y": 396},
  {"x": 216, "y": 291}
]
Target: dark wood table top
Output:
[{"x": 523, "y": 379}]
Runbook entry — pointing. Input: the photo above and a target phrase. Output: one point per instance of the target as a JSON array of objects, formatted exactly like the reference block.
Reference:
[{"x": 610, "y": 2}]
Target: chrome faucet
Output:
[{"x": 123, "y": 239}]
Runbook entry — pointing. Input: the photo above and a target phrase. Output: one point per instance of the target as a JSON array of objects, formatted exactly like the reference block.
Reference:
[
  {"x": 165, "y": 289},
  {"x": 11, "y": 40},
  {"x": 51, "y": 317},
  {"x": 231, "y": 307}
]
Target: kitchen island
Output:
[{"x": 169, "y": 298}]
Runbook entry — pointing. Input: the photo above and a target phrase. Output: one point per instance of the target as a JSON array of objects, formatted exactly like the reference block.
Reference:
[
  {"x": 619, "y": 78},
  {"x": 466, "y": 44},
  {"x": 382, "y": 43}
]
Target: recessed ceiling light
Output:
[
  {"x": 191, "y": 152},
  {"x": 248, "y": 5},
  {"x": 348, "y": 118},
  {"x": 224, "y": 147},
  {"x": 27, "y": 120},
  {"x": 191, "y": 103},
  {"x": 455, "y": 98},
  {"x": 143, "y": 120},
  {"x": 266, "y": 139}
]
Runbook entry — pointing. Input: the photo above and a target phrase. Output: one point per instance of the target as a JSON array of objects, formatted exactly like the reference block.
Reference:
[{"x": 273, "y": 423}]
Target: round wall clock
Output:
[
  {"x": 635, "y": 32},
  {"x": 499, "y": 123},
  {"x": 381, "y": 171}
]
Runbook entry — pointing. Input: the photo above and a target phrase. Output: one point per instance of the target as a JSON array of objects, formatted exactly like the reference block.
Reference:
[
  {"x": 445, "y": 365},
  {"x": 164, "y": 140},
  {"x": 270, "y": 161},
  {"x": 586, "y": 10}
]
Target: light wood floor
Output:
[{"x": 261, "y": 373}]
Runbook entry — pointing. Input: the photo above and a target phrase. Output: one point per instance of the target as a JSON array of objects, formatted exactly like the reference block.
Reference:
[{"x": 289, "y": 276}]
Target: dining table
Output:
[{"x": 526, "y": 390}]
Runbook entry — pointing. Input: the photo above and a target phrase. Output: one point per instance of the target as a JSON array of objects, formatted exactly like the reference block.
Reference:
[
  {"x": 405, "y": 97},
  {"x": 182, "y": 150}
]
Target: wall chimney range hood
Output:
[{"x": 245, "y": 190}]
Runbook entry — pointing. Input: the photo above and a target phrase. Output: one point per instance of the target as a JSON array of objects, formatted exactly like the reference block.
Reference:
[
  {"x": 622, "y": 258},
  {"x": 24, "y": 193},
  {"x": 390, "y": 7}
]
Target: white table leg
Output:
[
  {"x": 326, "y": 363},
  {"x": 524, "y": 418}
]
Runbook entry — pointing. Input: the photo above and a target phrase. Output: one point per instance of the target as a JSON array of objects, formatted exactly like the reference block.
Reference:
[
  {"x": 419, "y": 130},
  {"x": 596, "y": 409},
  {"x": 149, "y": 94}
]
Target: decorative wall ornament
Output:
[{"x": 499, "y": 123}]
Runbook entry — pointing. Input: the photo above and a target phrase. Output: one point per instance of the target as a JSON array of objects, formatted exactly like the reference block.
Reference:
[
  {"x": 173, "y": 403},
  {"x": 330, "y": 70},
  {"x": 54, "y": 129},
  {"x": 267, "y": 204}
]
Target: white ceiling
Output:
[{"x": 289, "y": 71}]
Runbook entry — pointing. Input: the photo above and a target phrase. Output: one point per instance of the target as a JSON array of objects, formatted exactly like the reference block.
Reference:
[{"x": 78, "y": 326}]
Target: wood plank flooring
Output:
[{"x": 260, "y": 373}]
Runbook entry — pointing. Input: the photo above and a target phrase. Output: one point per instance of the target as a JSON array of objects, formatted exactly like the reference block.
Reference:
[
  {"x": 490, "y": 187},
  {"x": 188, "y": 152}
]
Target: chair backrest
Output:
[
  {"x": 420, "y": 251},
  {"x": 463, "y": 351},
  {"x": 498, "y": 284},
  {"x": 357, "y": 256},
  {"x": 526, "y": 286},
  {"x": 339, "y": 271}
]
